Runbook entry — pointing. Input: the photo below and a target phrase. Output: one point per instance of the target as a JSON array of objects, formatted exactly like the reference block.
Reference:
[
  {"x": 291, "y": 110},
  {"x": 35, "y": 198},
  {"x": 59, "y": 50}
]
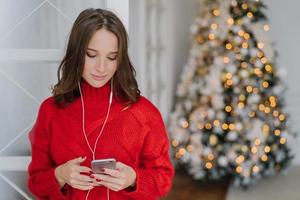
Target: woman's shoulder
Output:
[
  {"x": 49, "y": 102},
  {"x": 144, "y": 110},
  {"x": 48, "y": 106}
]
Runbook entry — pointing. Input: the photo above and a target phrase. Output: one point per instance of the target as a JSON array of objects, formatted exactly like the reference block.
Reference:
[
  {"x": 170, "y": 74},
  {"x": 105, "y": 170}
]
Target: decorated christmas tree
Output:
[{"x": 229, "y": 116}]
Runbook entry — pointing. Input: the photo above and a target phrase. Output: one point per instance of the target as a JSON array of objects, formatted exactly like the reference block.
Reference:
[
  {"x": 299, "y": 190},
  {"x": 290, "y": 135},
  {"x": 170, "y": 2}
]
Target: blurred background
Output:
[{"x": 170, "y": 40}]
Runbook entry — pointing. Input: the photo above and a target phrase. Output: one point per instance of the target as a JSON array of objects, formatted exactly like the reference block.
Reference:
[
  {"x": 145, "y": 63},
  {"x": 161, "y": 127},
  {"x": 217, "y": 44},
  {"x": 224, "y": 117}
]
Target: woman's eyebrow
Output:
[
  {"x": 113, "y": 52},
  {"x": 92, "y": 49}
]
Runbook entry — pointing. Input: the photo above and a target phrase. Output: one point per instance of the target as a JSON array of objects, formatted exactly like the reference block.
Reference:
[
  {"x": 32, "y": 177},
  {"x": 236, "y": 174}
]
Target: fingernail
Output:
[
  {"x": 92, "y": 176},
  {"x": 98, "y": 180}
]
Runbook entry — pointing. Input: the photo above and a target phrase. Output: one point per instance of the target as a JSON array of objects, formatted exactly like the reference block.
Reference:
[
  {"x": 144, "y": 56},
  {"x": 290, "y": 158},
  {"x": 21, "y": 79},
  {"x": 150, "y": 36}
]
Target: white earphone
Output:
[{"x": 93, "y": 150}]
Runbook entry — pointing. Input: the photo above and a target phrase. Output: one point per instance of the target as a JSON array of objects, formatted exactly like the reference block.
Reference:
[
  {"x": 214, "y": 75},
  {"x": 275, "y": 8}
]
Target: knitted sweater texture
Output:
[{"x": 135, "y": 136}]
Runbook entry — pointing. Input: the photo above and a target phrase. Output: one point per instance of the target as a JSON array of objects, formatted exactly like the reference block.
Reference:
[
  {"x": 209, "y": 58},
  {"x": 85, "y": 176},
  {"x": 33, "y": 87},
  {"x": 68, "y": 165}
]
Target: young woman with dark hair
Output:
[{"x": 96, "y": 112}]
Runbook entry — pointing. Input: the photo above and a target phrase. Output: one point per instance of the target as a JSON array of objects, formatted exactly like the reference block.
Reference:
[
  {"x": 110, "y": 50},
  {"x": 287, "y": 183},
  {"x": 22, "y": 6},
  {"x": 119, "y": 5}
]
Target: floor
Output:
[
  {"x": 279, "y": 187},
  {"x": 184, "y": 188}
]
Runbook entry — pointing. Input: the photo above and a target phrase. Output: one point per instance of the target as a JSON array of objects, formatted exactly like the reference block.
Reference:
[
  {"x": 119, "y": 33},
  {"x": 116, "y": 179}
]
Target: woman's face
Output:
[{"x": 101, "y": 58}]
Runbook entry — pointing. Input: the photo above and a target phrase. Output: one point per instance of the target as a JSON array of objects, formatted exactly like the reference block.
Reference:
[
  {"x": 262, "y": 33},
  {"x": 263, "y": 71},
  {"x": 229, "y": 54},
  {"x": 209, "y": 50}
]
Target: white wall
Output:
[
  {"x": 179, "y": 16},
  {"x": 285, "y": 28}
]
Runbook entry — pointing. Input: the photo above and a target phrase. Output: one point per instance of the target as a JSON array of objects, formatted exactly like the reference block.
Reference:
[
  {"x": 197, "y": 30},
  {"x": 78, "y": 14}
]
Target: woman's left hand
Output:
[{"x": 117, "y": 179}]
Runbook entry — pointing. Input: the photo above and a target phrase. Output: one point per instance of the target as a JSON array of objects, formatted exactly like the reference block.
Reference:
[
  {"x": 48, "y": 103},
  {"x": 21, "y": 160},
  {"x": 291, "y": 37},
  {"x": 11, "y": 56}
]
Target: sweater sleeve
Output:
[
  {"x": 155, "y": 175},
  {"x": 42, "y": 182}
]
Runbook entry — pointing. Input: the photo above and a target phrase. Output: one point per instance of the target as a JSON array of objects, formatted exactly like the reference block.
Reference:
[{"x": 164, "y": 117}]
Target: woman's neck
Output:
[{"x": 91, "y": 93}]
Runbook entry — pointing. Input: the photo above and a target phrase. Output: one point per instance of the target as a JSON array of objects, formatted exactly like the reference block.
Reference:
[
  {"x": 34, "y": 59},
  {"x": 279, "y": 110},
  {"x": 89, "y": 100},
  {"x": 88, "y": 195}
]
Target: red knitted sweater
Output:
[{"x": 135, "y": 136}]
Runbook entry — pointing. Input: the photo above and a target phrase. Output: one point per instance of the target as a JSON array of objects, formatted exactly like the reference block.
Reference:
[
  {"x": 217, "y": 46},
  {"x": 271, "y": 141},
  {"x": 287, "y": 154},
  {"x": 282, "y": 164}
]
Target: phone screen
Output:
[{"x": 97, "y": 165}]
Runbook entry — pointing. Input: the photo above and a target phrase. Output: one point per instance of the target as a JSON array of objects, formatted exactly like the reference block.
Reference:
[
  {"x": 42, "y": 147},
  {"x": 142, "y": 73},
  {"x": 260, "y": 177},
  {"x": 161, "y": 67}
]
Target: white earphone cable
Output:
[{"x": 93, "y": 150}]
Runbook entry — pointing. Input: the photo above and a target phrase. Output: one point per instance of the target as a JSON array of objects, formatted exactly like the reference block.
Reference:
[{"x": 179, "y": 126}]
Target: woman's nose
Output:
[{"x": 100, "y": 65}]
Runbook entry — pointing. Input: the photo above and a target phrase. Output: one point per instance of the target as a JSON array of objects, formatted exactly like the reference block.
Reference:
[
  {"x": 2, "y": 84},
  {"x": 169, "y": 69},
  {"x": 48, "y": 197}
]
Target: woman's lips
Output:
[{"x": 98, "y": 78}]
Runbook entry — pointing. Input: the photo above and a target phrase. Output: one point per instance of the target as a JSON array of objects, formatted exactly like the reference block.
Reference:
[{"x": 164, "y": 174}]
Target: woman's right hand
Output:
[{"x": 69, "y": 173}]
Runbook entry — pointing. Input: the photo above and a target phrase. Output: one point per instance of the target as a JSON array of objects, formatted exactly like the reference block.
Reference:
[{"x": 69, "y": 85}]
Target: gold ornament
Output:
[
  {"x": 267, "y": 149},
  {"x": 268, "y": 68},
  {"x": 239, "y": 169},
  {"x": 255, "y": 169},
  {"x": 211, "y": 36},
  {"x": 250, "y": 14},
  {"x": 245, "y": 6},
  {"x": 210, "y": 156},
  {"x": 190, "y": 148},
  {"x": 264, "y": 158},
  {"x": 265, "y": 84},
  {"x": 216, "y": 122},
  {"x": 208, "y": 126},
  {"x": 214, "y": 26},
  {"x": 175, "y": 143},
  {"x": 282, "y": 141},
  {"x": 213, "y": 140},
  {"x": 281, "y": 117},
  {"x": 216, "y": 12},
  {"x": 266, "y": 27},
  {"x": 230, "y": 21},
  {"x": 208, "y": 165},
  {"x": 254, "y": 150},
  {"x": 226, "y": 60},
  {"x": 240, "y": 159},
  {"x": 260, "y": 45},
  {"x": 231, "y": 126},
  {"x": 185, "y": 124},
  {"x": 277, "y": 132},
  {"x": 228, "y": 109},
  {"x": 200, "y": 39},
  {"x": 224, "y": 126},
  {"x": 257, "y": 142},
  {"x": 228, "y": 46}
]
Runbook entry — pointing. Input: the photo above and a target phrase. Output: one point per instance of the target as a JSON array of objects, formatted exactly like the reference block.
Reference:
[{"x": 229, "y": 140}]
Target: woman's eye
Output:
[
  {"x": 91, "y": 56},
  {"x": 112, "y": 58}
]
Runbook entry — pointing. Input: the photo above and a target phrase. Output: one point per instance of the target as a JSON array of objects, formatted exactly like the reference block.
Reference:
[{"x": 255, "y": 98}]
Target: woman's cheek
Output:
[
  {"x": 113, "y": 67},
  {"x": 90, "y": 63}
]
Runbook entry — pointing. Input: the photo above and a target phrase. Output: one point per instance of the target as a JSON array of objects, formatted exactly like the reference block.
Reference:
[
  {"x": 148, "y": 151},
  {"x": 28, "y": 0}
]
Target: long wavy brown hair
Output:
[{"x": 125, "y": 86}]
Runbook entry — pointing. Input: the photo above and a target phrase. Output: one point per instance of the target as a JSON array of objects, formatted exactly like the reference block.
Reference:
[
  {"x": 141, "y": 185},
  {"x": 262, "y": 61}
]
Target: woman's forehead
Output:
[{"x": 103, "y": 41}]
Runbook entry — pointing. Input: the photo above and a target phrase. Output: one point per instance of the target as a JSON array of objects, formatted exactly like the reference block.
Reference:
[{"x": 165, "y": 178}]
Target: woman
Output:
[{"x": 96, "y": 112}]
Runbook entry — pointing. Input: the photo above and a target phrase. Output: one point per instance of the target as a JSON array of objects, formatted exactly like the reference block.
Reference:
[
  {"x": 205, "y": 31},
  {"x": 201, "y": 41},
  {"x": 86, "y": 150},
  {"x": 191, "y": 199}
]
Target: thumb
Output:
[
  {"x": 120, "y": 165},
  {"x": 78, "y": 160}
]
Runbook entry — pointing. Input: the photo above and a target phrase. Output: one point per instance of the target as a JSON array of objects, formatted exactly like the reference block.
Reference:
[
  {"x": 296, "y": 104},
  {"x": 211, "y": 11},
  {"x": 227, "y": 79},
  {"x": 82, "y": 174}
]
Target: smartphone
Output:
[{"x": 97, "y": 165}]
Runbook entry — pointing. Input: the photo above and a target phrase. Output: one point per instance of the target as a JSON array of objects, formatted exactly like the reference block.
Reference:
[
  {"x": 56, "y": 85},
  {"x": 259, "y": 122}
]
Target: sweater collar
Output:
[{"x": 92, "y": 93}]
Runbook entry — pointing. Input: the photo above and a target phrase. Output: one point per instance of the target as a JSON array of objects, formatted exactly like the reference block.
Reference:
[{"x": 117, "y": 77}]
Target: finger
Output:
[
  {"x": 80, "y": 187},
  {"x": 84, "y": 169},
  {"x": 84, "y": 178},
  {"x": 78, "y": 160},
  {"x": 120, "y": 165},
  {"x": 114, "y": 173},
  {"x": 111, "y": 186},
  {"x": 83, "y": 183},
  {"x": 108, "y": 178}
]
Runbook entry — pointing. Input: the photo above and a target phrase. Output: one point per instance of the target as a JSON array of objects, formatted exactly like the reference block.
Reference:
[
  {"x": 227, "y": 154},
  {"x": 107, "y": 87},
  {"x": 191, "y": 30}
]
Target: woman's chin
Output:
[{"x": 97, "y": 84}]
